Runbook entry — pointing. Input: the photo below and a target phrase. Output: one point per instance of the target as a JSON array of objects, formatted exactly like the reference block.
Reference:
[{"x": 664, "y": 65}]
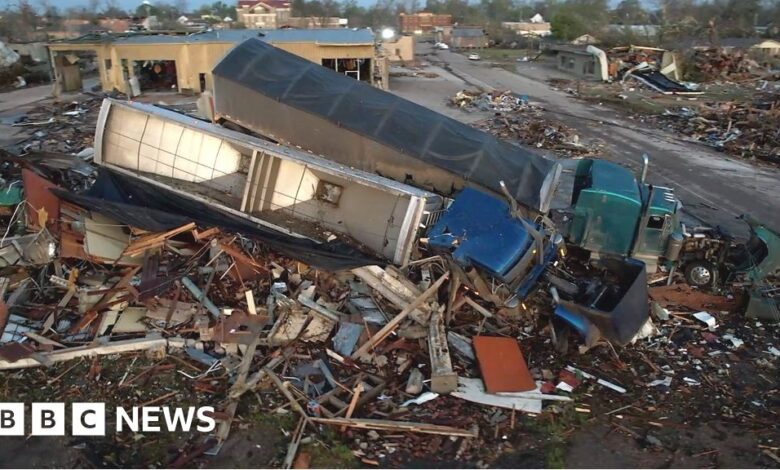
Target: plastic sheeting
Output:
[
  {"x": 265, "y": 89},
  {"x": 135, "y": 202}
]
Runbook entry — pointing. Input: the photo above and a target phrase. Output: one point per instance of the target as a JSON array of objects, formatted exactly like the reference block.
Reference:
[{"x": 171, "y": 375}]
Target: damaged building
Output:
[{"x": 137, "y": 63}]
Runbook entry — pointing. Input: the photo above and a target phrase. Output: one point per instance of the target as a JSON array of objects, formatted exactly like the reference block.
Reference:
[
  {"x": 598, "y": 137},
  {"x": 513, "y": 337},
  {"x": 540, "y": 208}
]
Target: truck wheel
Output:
[{"x": 700, "y": 274}]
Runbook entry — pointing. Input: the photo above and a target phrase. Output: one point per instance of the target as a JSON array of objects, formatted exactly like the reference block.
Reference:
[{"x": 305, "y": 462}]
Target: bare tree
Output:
[
  {"x": 92, "y": 8},
  {"x": 180, "y": 6}
]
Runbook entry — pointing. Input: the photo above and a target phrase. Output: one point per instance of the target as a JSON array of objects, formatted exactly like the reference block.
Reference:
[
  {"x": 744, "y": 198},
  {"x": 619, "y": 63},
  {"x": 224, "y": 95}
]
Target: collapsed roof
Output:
[{"x": 291, "y": 99}]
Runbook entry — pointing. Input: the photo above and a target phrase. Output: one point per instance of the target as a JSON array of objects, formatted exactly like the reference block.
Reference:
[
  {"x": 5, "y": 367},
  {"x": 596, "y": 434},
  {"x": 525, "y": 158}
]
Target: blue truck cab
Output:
[{"x": 479, "y": 230}]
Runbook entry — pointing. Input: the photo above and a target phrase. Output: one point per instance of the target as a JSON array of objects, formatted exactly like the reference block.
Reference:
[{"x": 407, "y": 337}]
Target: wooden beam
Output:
[
  {"x": 116, "y": 347},
  {"x": 444, "y": 380},
  {"x": 397, "y": 426},
  {"x": 42, "y": 339},
  {"x": 393, "y": 324},
  {"x": 154, "y": 240},
  {"x": 479, "y": 308},
  {"x": 393, "y": 290},
  {"x": 353, "y": 403}
]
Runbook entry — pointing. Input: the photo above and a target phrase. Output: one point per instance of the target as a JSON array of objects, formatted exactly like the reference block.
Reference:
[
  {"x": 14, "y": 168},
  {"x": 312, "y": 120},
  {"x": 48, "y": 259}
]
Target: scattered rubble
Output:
[
  {"x": 415, "y": 73},
  {"x": 445, "y": 359},
  {"x": 745, "y": 130},
  {"x": 717, "y": 64},
  {"x": 517, "y": 120},
  {"x": 538, "y": 132},
  {"x": 63, "y": 127},
  {"x": 499, "y": 101}
]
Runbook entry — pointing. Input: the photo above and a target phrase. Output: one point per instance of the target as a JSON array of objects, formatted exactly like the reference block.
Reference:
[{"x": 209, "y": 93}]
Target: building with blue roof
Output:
[{"x": 145, "y": 62}]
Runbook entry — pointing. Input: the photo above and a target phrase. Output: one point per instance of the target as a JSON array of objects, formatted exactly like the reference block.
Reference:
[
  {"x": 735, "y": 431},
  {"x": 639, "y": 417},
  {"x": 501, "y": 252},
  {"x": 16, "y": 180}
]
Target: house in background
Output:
[
  {"x": 643, "y": 30},
  {"x": 585, "y": 39},
  {"x": 577, "y": 61},
  {"x": 525, "y": 28},
  {"x": 266, "y": 14},
  {"x": 423, "y": 22},
  {"x": 442, "y": 34},
  {"x": 115, "y": 25},
  {"x": 469, "y": 37},
  {"x": 757, "y": 47},
  {"x": 315, "y": 22},
  {"x": 536, "y": 26},
  {"x": 767, "y": 27}
]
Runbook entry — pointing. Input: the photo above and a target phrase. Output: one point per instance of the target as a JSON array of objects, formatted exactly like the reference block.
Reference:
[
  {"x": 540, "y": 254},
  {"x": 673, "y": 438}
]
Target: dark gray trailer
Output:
[{"x": 292, "y": 100}]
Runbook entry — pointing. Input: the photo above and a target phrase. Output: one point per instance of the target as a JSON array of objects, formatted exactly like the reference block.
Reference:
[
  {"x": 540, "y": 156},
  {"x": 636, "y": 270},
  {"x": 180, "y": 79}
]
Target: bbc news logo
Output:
[{"x": 89, "y": 419}]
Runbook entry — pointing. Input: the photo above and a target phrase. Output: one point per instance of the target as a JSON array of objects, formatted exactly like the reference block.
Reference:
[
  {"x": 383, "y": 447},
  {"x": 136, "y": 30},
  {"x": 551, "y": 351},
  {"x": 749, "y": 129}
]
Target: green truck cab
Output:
[
  {"x": 611, "y": 212},
  {"x": 606, "y": 210}
]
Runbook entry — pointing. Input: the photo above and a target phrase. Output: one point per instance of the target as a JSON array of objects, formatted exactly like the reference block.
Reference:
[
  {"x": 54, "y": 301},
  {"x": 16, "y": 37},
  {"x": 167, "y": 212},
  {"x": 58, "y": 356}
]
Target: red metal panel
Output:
[
  {"x": 37, "y": 194},
  {"x": 502, "y": 365}
]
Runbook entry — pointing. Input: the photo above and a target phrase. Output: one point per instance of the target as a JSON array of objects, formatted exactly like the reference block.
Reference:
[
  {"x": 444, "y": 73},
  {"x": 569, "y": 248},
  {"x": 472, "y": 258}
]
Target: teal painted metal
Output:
[
  {"x": 615, "y": 214},
  {"x": 659, "y": 222},
  {"x": 12, "y": 195},
  {"x": 770, "y": 265},
  {"x": 607, "y": 206}
]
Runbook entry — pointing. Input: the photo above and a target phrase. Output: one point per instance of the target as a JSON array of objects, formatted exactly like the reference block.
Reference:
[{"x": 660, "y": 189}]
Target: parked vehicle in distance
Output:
[
  {"x": 441, "y": 45},
  {"x": 473, "y": 57}
]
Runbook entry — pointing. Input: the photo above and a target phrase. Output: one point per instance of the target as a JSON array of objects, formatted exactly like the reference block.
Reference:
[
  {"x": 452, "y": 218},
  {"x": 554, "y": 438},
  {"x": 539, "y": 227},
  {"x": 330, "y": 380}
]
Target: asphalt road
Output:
[{"x": 713, "y": 187}]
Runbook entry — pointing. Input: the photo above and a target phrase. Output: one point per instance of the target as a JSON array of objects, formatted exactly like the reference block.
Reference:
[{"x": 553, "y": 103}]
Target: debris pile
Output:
[
  {"x": 536, "y": 131},
  {"x": 717, "y": 64},
  {"x": 64, "y": 127},
  {"x": 744, "y": 130},
  {"x": 459, "y": 355},
  {"x": 498, "y": 101},
  {"x": 356, "y": 350},
  {"x": 402, "y": 364},
  {"x": 415, "y": 73},
  {"x": 517, "y": 120}
]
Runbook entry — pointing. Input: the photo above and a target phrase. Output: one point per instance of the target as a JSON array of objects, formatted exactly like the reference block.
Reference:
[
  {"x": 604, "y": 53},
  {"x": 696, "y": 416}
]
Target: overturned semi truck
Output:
[
  {"x": 508, "y": 188},
  {"x": 497, "y": 223}
]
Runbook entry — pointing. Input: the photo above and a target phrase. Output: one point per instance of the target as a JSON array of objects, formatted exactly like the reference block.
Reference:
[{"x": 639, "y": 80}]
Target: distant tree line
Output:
[{"x": 569, "y": 18}]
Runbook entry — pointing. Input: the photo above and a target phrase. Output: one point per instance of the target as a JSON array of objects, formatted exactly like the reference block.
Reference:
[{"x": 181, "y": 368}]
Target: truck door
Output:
[{"x": 654, "y": 234}]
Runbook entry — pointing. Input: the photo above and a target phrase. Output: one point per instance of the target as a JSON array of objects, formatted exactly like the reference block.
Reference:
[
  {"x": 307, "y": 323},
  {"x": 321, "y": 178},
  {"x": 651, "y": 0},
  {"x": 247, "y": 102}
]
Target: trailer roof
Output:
[{"x": 389, "y": 120}]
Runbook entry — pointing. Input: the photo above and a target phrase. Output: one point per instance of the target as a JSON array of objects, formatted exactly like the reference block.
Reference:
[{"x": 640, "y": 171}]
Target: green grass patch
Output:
[{"x": 334, "y": 454}]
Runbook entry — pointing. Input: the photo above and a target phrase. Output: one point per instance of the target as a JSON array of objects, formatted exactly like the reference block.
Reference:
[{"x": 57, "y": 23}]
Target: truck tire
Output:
[{"x": 700, "y": 274}]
